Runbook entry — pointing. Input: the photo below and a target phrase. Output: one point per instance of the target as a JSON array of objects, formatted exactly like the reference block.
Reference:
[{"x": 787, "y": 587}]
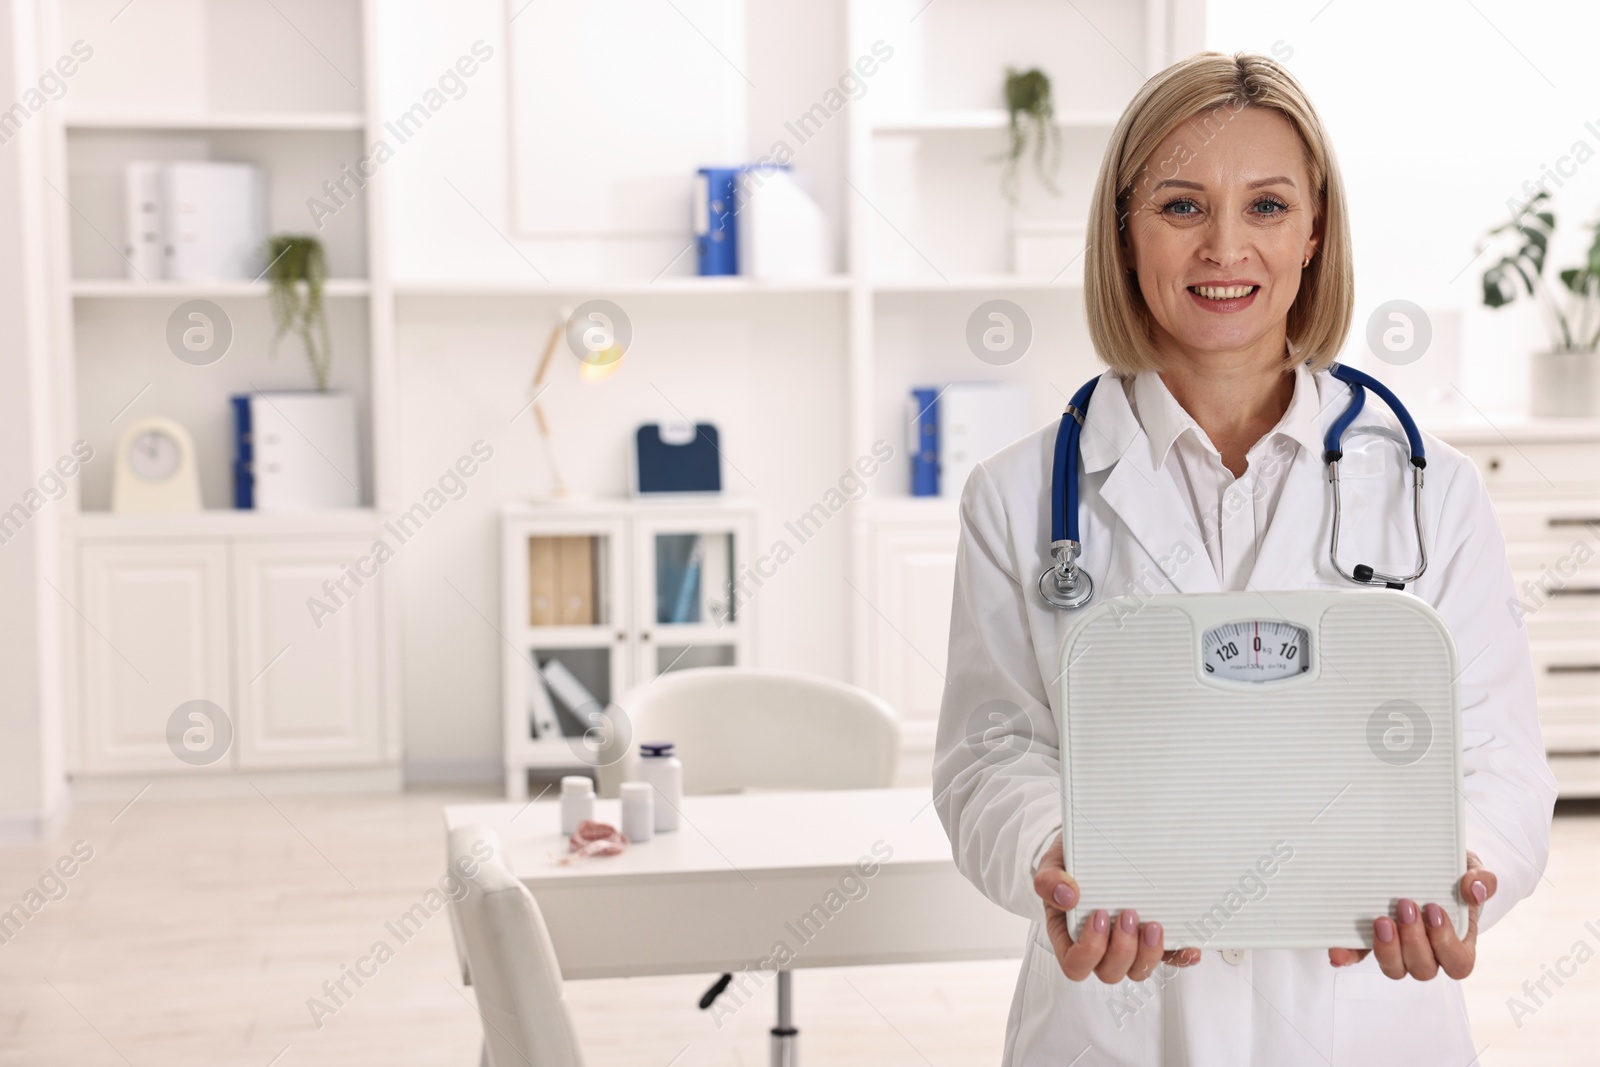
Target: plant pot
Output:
[{"x": 1566, "y": 382}]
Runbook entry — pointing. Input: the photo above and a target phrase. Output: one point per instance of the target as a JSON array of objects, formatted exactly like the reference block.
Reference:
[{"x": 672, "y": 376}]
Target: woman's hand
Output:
[
  {"x": 1111, "y": 951},
  {"x": 1423, "y": 942}
]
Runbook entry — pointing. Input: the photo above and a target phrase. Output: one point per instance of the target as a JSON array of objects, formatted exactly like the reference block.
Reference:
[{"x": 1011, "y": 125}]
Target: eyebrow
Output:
[{"x": 1179, "y": 183}]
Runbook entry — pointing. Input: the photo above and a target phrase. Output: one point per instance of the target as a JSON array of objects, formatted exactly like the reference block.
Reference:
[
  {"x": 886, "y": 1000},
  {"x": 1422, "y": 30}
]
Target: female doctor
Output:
[{"x": 1218, "y": 290}]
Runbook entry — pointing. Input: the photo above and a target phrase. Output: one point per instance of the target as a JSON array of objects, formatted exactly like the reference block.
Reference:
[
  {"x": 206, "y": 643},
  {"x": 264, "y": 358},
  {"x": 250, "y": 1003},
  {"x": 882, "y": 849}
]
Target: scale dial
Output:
[{"x": 1256, "y": 650}]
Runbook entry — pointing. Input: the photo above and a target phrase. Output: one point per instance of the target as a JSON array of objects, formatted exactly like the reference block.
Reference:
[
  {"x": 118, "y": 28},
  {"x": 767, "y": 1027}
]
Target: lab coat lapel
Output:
[
  {"x": 1289, "y": 550},
  {"x": 1145, "y": 500}
]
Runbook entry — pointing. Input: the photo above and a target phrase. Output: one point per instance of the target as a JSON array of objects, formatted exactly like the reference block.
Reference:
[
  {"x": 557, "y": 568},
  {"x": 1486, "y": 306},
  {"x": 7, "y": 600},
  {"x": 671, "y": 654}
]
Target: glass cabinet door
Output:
[{"x": 689, "y": 606}]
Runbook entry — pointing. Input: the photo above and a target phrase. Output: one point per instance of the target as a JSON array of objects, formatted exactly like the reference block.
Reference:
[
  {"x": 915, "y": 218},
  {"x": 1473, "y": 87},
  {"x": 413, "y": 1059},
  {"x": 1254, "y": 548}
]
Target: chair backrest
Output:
[
  {"x": 739, "y": 728},
  {"x": 515, "y": 976}
]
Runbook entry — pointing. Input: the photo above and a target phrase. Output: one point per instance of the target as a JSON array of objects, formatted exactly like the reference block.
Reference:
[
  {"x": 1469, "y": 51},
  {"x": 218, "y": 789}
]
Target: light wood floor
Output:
[{"x": 199, "y": 929}]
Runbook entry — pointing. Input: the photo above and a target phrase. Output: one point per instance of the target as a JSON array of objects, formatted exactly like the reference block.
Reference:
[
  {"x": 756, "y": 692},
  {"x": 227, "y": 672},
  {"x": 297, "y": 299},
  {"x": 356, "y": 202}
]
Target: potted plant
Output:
[
  {"x": 297, "y": 269},
  {"x": 1031, "y": 124},
  {"x": 1565, "y": 376}
]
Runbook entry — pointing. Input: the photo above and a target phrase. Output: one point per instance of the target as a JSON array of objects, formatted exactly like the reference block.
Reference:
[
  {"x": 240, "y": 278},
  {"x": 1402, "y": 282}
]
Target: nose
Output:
[{"x": 1225, "y": 241}]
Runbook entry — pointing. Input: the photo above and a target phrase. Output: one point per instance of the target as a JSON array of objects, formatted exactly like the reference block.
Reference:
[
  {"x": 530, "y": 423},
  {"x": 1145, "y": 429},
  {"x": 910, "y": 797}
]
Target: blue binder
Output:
[
  {"x": 244, "y": 479},
  {"x": 924, "y": 430},
  {"x": 716, "y": 238}
]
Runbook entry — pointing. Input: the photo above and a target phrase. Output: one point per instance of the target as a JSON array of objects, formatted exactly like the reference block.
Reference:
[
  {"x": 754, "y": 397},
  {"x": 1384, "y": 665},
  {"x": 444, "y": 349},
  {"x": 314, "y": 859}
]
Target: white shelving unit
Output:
[
  {"x": 214, "y": 605},
  {"x": 930, "y": 240}
]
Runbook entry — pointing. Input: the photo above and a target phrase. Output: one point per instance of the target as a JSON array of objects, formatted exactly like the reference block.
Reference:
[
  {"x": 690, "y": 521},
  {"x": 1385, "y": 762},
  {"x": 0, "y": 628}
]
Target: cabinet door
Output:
[
  {"x": 913, "y": 585},
  {"x": 689, "y": 604},
  {"x": 307, "y": 679},
  {"x": 152, "y": 634}
]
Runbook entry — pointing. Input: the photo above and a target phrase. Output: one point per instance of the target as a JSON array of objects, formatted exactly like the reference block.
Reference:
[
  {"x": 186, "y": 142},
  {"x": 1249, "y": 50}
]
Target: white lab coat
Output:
[{"x": 1270, "y": 1008}]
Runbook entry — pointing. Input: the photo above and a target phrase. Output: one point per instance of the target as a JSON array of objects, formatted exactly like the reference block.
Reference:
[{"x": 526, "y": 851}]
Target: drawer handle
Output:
[
  {"x": 1574, "y": 521},
  {"x": 1576, "y": 590},
  {"x": 1573, "y": 668}
]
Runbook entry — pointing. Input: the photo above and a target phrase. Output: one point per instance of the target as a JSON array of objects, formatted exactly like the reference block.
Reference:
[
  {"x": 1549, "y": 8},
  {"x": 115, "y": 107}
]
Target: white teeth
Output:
[{"x": 1224, "y": 292}]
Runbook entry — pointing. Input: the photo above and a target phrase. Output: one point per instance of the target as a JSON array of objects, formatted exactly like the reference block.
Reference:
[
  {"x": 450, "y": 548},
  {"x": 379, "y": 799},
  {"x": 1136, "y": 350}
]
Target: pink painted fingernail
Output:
[
  {"x": 1129, "y": 921},
  {"x": 1479, "y": 891},
  {"x": 1102, "y": 921},
  {"x": 1435, "y": 915},
  {"x": 1385, "y": 930},
  {"x": 1152, "y": 934},
  {"x": 1408, "y": 912},
  {"x": 1065, "y": 896}
]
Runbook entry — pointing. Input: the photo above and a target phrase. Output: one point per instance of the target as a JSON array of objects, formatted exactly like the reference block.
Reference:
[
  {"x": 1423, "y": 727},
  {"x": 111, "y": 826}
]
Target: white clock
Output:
[{"x": 155, "y": 469}]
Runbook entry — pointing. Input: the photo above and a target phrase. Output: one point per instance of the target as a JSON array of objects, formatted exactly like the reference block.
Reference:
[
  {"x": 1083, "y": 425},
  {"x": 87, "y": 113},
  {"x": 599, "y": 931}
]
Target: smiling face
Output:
[{"x": 1217, "y": 229}]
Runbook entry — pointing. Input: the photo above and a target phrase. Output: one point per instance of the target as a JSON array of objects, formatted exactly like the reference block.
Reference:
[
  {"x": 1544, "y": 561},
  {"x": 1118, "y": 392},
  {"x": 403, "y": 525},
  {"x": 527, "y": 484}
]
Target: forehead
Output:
[{"x": 1225, "y": 144}]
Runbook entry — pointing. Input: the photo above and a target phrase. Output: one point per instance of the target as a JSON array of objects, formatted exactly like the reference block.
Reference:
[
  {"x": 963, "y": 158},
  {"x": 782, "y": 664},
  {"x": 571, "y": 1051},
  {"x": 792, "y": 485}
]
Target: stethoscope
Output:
[{"x": 1066, "y": 584}]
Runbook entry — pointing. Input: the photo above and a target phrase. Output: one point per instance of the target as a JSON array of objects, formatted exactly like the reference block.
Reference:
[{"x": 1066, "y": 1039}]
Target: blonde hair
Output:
[{"x": 1119, "y": 320}]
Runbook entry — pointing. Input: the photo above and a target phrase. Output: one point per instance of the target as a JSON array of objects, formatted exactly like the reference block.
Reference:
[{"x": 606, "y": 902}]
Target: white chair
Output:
[
  {"x": 738, "y": 728},
  {"x": 513, "y": 966}
]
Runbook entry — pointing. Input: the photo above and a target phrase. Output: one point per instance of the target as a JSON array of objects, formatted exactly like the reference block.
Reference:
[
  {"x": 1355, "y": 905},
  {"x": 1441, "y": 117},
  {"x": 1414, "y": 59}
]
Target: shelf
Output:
[
  {"x": 985, "y": 119},
  {"x": 219, "y": 522},
  {"x": 677, "y": 285},
  {"x": 1071, "y": 280},
  {"x": 543, "y": 637},
  {"x": 291, "y": 121},
  {"x": 118, "y": 288}
]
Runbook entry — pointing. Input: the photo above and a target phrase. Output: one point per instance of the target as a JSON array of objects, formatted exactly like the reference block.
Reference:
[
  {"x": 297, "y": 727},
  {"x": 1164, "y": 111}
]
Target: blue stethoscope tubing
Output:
[{"x": 1065, "y": 584}]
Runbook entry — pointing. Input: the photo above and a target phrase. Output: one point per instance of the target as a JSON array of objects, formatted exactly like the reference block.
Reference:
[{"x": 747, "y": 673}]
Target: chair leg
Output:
[{"x": 785, "y": 1037}]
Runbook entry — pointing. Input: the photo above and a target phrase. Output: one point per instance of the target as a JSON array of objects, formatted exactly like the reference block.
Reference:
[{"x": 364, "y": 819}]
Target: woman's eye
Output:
[
  {"x": 1181, "y": 208},
  {"x": 1271, "y": 206}
]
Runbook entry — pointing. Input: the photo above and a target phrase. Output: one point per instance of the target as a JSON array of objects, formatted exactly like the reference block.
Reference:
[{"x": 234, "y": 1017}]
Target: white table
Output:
[{"x": 750, "y": 871}]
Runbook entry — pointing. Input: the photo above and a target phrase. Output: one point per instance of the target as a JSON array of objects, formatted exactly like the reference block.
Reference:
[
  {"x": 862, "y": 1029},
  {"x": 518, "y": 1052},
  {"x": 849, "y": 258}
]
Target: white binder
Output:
[
  {"x": 1285, "y": 813},
  {"x": 304, "y": 451},
  {"x": 976, "y": 420},
  {"x": 214, "y": 221},
  {"x": 141, "y": 220}
]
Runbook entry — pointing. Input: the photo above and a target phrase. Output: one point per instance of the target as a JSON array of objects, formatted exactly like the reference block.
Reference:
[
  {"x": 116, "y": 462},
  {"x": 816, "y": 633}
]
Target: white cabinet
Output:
[
  {"x": 276, "y": 632},
  {"x": 615, "y": 593},
  {"x": 306, "y": 655},
  {"x": 153, "y": 635},
  {"x": 914, "y": 573},
  {"x": 1545, "y": 484}
]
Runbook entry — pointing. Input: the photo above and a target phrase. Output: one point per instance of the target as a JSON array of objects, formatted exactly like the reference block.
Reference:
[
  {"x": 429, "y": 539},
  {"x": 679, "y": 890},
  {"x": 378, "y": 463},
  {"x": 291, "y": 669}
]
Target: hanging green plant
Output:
[
  {"x": 298, "y": 270},
  {"x": 1031, "y": 125}
]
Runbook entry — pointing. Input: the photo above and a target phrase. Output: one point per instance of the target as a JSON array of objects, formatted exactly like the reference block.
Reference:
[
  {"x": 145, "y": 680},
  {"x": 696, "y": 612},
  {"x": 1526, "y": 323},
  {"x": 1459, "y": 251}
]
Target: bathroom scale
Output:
[{"x": 1262, "y": 770}]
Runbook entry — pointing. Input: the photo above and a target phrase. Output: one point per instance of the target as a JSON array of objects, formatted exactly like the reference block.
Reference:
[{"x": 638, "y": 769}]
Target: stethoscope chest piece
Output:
[{"x": 1064, "y": 584}]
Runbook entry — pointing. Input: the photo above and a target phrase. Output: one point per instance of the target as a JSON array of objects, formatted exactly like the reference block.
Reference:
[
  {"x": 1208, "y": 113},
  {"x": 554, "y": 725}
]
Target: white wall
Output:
[
  {"x": 768, "y": 370},
  {"x": 1439, "y": 113}
]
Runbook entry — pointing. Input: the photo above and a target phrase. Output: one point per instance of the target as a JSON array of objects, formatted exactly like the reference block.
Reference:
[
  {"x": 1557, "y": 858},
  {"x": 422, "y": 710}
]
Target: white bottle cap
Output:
[
  {"x": 635, "y": 790},
  {"x": 577, "y": 785}
]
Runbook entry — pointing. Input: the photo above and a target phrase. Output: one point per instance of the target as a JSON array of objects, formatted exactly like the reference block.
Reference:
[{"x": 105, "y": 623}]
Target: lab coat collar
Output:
[
  {"x": 1145, "y": 498},
  {"x": 1149, "y": 504}
]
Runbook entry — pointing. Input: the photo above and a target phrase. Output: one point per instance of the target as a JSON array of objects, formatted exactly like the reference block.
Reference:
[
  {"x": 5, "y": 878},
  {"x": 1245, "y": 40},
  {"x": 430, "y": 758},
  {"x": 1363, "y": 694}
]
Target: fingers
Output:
[
  {"x": 1386, "y": 946},
  {"x": 1181, "y": 957},
  {"x": 1415, "y": 948},
  {"x": 1454, "y": 957},
  {"x": 1344, "y": 957},
  {"x": 1052, "y": 883},
  {"x": 1085, "y": 955},
  {"x": 1123, "y": 946},
  {"x": 1149, "y": 952}
]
